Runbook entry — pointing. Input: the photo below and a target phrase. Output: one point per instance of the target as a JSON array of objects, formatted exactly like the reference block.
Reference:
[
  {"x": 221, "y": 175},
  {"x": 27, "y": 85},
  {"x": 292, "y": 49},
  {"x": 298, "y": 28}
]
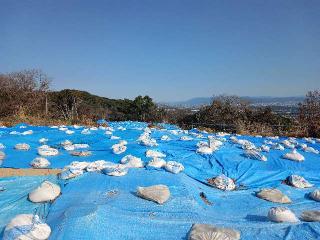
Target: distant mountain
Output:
[{"x": 254, "y": 101}]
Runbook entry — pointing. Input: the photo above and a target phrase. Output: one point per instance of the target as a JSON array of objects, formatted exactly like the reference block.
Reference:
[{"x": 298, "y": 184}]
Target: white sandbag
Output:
[
  {"x": 22, "y": 146},
  {"x": 81, "y": 145},
  {"x": 85, "y": 131},
  {"x": 273, "y": 195},
  {"x": 29, "y": 132},
  {"x": 14, "y": 133},
  {"x": 2, "y": 146},
  {"x": 46, "y": 192},
  {"x": 108, "y": 133},
  {"x": 40, "y": 162},
  {"x": 69, "y": 132},
  {"x": 298, "y": 182},
  {"x": 174, "y": 167},
  {"x": 222, "y": 182},
  {"x": 122, "y": 128},
  {"x": 282, "y": 214},
  {"x": 81, "y": 153},
  {"x": 205, "y": 150},
  {"x": 265, "y": 148},
  {"x": 165, "y": 138},
  {"x": 109, "y": 129},
  {"x": 63, "y": 129},
  {"x": 149, "y": 142},
  {"x": 222, "y": 134},
  {"x": 156, "y": 193},
  {"x": 97, "y": 166},
  {"x": 310, "y": 150},
  {"x": 43, "y": 140},
  {"x": 78, "y": 165},
  {"x": 248, "y": 146},
  {"x": 116, "y": 171},
  {"x": 26, "y": 227},
  {"x": 156, "y": 163},
  {"x": 155, "y": 154},
  {"x": 2, "y": 155},
  {"x": 315, "y": 195},
  {"x": 278, "y": 146},
  {"x": 254, "y": 154},
  {"x": 186, "y": 138},
  {"x": 287, "y": 144},
  {"x": 66, "y": 143},
  {"x": 119, "y": 148},
  {"x": 309, "y": 140},
  {"x": 132, "y": 162},
  {"x": 215, "y": 143},
  {"x": 45, "y": 150},
  {"x": 311, "y": 216},
  {"x": 114, "y": 137},
  {"x": 70, "y": 172},
  {"x": 210, "y": 232},
  {"x": 294, "y": 156},
  {"x": 69, "y": 147}
]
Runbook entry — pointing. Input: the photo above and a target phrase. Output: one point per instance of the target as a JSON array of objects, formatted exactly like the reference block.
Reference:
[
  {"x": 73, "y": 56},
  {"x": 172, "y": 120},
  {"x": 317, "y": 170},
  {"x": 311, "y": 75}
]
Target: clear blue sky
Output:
[{"x": 169, "y": 49}]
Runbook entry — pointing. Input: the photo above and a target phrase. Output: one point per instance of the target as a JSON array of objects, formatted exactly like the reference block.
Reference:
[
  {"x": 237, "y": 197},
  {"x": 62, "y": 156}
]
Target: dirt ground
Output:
[{"x": 11, "y": 172}]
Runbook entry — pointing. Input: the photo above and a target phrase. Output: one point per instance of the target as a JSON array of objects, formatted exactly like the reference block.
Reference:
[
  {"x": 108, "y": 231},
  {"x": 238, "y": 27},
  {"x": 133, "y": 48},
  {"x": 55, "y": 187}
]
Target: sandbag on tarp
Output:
[
  {"x": 47, "y": 191},
  {"x": 282, "y": 214},
  {"x": 310, "y": 216},
  {"x": 157, "y": 193},
  {"x": 40, "y": 162},
  {"x": 26, "y": 227},
  {"x": 14, "y": 198},
  {"x": 210, "y": 232},
  {"x": 273, "y": 195}
]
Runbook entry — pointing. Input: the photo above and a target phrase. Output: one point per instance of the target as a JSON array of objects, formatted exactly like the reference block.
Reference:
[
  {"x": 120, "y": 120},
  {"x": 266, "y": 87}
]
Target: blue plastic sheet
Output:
[{"x": 95, "y": 205}]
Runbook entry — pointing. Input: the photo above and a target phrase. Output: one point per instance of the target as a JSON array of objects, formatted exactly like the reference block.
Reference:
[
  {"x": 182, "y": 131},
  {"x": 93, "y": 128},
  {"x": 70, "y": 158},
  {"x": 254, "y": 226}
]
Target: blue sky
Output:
[{"x": 171, "y": 50}]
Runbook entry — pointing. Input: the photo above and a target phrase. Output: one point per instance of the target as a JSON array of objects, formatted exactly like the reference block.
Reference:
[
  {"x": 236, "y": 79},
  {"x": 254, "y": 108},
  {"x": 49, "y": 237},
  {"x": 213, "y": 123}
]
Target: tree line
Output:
[{"x": 25, "y": 96}]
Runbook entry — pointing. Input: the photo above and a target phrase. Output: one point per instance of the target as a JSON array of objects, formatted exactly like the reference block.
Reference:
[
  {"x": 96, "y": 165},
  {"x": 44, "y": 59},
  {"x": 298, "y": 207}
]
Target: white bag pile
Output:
[
  {"x": 294, "y": 156},
  {"x": 46, "y": 192},
  {"x": 282, "y": 214}
]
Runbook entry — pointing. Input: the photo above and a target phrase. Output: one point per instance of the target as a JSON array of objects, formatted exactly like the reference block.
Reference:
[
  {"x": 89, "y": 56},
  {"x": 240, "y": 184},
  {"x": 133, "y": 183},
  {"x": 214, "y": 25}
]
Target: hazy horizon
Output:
[{"x": 170, "y": 50}]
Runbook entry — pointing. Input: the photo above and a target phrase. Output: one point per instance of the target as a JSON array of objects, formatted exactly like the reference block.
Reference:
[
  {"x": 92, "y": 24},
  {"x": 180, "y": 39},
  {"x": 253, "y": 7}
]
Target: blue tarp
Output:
[
  {"x": 95, "y": 205},
  {"x": 14, "y": 198}
]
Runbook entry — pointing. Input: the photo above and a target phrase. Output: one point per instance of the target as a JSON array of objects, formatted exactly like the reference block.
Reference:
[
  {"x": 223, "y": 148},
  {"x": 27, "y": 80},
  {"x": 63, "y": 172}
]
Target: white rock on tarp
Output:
[
  {"x": 186, "y": 138},
  {"x": 66, "y": 143},
  {"x": 287, "y": 144},
  {"x": 156, "y": 193},
  {"x": 46, "y": 150},
  {"x": 282, "y": 214},
  {"x": 117, "y": 171},
  {"x": 310, "y": 150},
  {"x": 315, "y": 195},
  {"x": 70, "y": 172},
  {"x": 294, "y": 156},
  {"x": 298, "y": 182},
  {"x": 26, "y": 227},
  {"x": 2, "y": 155},
  {"x": 132, "y": 161},
  {"x": 22, "y": 146},
  {"x": 174, "y": 167},
  {"x": 81, "y": 145},
  {"x": 222, "y": 182},
  {"x": 43, "y": 140},
  {"x": 46, "y": 192},
  {"x": 114, "y": 137},
  {"x": 96, "y": 166},
  {"x": 85, "y": 131},
  {"x": 311, "y": 216},
  {"x": 153, "y": 153},
  {"x": 165, "y": 138},
  {"x": 40, "y": 162},
  {"x": 278, "y": 146},
  {"x": 29, "y": 132},
  {"x": 265, "y": 148},
  {"x": 81, "y": 153},
  {"x": 273, "y": 195},
  {"x": 156, "y": 163},
  {"x": 69, "y": 132},
  {"x": 210, "y": 232},
  {"x": 119, "y": 148},
  {"x": 254, "y": 154}
]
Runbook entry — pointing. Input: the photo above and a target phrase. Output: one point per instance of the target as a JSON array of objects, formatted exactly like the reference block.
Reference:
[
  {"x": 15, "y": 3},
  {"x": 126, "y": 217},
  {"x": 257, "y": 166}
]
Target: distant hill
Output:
[{"x": 254, "y": 101}]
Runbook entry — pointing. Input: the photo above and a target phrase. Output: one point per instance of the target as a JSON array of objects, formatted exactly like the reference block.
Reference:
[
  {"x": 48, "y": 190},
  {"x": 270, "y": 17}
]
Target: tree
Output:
[
  {"x": 309, "y": 113},
  {"x": 143, "y": 108}
]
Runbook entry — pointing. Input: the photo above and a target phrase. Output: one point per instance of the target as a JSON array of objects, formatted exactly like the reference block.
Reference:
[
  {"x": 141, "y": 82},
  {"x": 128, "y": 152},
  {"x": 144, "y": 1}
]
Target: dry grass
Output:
[{"x": 12, "y": 172}]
